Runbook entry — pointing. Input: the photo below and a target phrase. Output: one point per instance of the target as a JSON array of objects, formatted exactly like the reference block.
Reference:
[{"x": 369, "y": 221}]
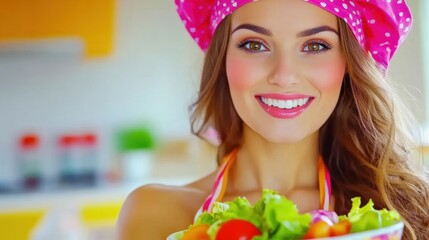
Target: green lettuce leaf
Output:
[
  {"x": 367, "y": 218},
  {"x": 239, "y": 208},
  {"x": 282, "y": 218},
  {"x": 274, "y": 215}
]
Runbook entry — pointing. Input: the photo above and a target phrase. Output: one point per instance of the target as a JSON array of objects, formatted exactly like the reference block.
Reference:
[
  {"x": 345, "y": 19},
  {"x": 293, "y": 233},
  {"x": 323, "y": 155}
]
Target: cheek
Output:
[
  {"x": 238, "y": 72},
  {"x": 330, "y": 76}
]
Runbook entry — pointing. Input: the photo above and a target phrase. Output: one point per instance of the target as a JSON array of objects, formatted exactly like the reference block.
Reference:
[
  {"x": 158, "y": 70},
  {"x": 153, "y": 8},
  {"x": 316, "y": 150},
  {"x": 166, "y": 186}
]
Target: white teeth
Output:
[{"x": 286, "y": 104}]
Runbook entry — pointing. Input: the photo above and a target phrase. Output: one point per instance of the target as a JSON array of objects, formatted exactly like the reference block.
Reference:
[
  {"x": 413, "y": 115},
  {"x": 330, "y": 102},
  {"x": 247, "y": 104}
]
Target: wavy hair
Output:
[{"x": 365, "y": 143}]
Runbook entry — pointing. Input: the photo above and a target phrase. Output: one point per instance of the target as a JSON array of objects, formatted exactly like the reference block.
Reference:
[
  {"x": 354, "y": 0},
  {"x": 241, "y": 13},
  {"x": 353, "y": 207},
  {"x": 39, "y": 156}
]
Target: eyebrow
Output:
[
  {"x": 316, "y": 30},
  {"x": 265, "y": 31},
  {"x": 254, "y": 28}
]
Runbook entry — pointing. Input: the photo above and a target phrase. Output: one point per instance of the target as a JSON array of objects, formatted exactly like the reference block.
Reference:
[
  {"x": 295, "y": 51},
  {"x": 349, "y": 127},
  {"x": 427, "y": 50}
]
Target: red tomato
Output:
[
  {"x": 198, "y": 232},
  {"x": 318, "y": 230},
  {"x": 237, "y": 229},
  {"x": 341, "y": 228}
]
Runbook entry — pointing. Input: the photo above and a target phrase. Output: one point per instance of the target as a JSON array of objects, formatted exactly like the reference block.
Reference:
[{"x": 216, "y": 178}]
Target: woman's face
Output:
[{"x": 285, "y": 68}]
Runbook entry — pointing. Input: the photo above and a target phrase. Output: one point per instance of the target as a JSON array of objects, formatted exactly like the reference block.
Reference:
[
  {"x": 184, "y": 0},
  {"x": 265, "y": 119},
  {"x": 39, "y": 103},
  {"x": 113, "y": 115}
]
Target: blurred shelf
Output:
[{"x": 90, "y": 195}]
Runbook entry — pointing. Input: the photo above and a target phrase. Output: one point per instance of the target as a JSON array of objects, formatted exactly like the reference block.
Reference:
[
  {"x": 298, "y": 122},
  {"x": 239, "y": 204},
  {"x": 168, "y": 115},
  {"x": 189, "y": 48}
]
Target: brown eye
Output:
[
  {"x": 253, "y": 46},
  {"x": 314, "y": 47}
]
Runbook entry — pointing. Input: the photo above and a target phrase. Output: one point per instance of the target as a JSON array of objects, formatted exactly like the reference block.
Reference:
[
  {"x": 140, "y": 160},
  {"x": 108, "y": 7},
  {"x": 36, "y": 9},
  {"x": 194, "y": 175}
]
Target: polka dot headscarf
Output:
[{"x": 380, "y": 26}]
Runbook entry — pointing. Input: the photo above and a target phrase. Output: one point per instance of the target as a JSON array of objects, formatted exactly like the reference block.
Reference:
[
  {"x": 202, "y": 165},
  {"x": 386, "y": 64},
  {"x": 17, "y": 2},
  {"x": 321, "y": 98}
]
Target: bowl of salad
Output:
[{"x": 275, "y": 217}]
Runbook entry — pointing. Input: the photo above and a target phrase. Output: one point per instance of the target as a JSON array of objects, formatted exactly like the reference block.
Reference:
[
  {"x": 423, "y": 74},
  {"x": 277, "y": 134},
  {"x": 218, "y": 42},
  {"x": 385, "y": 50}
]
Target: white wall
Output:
[
  {"x": 406, "y": 67},
  {"x": 151, "y": 76},
  {"x": 424, "y": 22}
]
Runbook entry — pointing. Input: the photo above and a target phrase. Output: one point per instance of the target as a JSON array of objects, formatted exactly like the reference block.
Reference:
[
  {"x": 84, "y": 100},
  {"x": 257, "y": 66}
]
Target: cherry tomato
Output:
[
  {"x": 341, "y": 228},
  {"x": 237, "y": 229},
  {"x": 198, "y": 232},
  {"x": 318, "y": 230}
]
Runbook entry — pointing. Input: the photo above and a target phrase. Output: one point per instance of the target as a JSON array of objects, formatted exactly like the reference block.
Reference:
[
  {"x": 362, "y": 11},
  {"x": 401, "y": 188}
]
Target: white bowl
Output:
[
  {"x": 393, "y": 232},
  {"x": 173, "y": 236}
]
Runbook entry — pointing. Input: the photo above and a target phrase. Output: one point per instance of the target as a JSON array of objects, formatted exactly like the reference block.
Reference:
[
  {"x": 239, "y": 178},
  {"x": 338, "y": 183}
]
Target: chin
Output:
[
  {"x": 285, "y": 138},
  {"x": 280, "y": 135}
]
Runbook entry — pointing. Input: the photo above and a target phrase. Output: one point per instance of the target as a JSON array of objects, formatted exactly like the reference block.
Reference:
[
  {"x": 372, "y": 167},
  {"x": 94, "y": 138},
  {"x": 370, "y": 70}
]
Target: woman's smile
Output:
[{"x": 283, "y": 105}]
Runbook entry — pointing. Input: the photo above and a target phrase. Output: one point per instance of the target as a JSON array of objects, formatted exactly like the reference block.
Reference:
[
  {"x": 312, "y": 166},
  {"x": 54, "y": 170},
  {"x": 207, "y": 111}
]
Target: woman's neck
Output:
[{"x": 282, "y": 167}]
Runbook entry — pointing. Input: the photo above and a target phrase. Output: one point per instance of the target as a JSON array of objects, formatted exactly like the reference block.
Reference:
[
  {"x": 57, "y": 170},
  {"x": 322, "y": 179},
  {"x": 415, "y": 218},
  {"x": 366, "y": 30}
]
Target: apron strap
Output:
[
  {"x": 324, "y": 186},
  {"x": 221, "y": 182}
]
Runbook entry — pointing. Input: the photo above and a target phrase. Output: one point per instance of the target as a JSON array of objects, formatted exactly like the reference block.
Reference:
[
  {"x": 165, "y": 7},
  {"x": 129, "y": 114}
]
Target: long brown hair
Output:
[
  {"x": 366, "y": 145},
  {"x": 364, "y": 142},
  {"x": 214, "y": 105}
]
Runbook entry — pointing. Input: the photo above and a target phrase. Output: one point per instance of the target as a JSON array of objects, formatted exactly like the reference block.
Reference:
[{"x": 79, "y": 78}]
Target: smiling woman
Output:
[
  {"x": 297, "y": 93},
  {"x": 295, "y": 63}
]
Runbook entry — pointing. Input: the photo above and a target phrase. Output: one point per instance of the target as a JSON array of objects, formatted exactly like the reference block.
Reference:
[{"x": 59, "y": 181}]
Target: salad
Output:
[{"x": 276, "y": 217}]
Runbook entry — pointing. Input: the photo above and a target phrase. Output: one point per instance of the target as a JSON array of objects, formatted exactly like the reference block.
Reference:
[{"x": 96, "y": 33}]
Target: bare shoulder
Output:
[{"x": 154, "y": 211}]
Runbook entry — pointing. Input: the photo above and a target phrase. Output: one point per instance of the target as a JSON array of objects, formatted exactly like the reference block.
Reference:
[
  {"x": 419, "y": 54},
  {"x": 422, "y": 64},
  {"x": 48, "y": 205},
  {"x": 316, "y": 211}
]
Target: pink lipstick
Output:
[{"x": 285, "y": 106}]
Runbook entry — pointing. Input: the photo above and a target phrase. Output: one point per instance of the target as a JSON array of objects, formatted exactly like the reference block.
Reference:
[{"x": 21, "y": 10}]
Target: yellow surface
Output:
[
  {"x": 91, "y": 20},
  {"x": 107, "y": 212},
  {"x": 18, "y": 225}
]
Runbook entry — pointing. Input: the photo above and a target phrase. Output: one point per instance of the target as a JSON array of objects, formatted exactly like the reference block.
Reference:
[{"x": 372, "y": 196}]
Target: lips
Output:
[{"x": 285, "y": 106}]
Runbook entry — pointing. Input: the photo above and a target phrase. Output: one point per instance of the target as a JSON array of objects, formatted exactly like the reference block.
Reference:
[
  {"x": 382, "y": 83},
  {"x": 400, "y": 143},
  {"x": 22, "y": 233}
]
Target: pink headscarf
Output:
[{"x": 380, "y": 26}]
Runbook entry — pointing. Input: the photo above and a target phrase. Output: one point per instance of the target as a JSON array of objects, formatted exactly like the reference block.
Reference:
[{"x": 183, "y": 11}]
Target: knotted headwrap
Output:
[{"x": 379, "y": 26}]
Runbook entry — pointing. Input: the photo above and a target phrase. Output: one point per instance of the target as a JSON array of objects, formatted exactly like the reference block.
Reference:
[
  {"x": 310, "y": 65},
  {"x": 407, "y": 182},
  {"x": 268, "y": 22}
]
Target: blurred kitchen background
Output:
[{"x": 94, "y": 98}]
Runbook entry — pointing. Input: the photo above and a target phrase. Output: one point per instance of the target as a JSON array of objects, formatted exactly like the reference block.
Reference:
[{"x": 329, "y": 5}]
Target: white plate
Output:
[{"x": 393, "y": 232}]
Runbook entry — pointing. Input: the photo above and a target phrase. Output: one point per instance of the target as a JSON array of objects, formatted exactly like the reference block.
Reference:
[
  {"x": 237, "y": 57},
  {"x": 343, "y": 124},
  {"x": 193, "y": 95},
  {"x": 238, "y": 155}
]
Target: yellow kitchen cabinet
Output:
[
  {"x": 18, "y": 225},
  {"x": 90, "y": 20},
  {"x": 97, "y": 220}
]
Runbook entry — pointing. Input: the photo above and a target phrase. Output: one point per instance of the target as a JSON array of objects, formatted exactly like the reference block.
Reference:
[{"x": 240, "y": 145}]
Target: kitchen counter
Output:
[
  {"x": 91, "y": 211},
  {"x": 112, "y": 193}
]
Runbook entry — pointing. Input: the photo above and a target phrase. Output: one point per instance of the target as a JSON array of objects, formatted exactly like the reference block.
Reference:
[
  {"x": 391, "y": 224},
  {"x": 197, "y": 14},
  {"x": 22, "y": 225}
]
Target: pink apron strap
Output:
[
  {"x": 324, "y": 186},
  {"x": 220, "y": 184}
]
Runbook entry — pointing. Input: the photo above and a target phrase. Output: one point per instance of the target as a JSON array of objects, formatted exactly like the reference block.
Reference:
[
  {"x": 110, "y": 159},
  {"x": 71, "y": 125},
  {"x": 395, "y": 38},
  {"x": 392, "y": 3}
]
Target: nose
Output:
[{"x": 283, "y": 71}]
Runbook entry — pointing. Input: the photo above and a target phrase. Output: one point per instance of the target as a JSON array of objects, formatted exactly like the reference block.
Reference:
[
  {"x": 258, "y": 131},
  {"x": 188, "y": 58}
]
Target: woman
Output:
[{"x": 298, "y": 94}]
